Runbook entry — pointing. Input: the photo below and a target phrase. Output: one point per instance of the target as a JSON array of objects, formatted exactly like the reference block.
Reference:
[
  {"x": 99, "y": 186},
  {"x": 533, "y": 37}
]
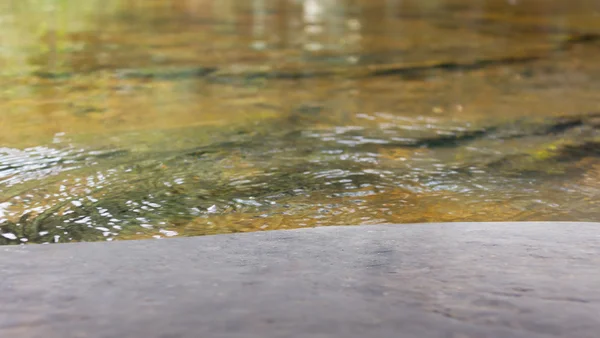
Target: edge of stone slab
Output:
[{"x": 473, "y": 226}]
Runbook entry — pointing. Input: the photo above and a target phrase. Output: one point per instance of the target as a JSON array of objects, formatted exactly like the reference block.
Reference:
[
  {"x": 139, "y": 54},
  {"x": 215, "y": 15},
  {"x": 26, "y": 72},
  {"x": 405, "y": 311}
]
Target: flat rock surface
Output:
[{"x": 421, "y": 280}]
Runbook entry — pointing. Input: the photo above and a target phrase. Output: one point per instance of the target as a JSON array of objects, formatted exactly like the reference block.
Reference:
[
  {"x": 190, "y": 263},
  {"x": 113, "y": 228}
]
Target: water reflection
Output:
[{"x": 126, "y": 119}]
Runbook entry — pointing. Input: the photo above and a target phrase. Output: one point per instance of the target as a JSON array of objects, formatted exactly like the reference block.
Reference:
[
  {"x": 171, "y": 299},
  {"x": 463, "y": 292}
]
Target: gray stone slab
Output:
[{"x": 420, "y": 280}]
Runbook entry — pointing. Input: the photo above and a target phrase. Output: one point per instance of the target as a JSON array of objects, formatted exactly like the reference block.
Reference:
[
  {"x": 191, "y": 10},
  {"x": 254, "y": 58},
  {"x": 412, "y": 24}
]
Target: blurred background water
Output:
[{"x": 123, "y": 119}]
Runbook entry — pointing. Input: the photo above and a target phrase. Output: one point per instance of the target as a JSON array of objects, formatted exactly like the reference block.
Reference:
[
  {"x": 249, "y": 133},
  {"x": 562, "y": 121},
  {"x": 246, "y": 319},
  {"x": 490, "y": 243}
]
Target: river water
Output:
[{"x": 152, "y": 119}]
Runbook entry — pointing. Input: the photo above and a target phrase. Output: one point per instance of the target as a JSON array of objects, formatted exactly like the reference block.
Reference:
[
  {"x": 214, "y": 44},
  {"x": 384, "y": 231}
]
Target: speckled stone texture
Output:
[{"x": 420, "y": 280}]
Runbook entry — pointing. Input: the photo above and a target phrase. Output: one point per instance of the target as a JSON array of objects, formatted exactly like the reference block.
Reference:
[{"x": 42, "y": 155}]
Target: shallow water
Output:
[{"x": 123, "y": 119}]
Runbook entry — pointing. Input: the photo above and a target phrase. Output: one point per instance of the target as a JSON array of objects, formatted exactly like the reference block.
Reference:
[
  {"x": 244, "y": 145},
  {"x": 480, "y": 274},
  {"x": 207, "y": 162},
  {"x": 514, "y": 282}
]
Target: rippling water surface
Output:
[{"x": 126, "y": 119}]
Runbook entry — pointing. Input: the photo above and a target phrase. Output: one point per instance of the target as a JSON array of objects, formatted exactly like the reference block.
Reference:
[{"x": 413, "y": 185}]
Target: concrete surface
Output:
[{"x": 423, "y": 280}]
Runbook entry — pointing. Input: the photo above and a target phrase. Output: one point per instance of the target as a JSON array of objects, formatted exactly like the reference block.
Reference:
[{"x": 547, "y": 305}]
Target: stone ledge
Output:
[{"x": 522, "y": 279}]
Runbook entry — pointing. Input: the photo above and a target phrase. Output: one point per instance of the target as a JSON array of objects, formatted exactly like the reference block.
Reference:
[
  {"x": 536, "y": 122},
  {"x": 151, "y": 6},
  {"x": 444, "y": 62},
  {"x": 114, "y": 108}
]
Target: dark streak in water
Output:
[
  {"x": 555, "y": 126},
  {"x": 213, "y": 75},
  {"x": 579, "y": 39},
  {"x": 455, "y": 66},
  {"x": 579, "y": 151},
  {"x": 169, "y": 75}
]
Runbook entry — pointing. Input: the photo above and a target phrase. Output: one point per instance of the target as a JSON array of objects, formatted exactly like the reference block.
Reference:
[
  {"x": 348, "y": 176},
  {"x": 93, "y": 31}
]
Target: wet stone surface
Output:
[{"x": 423, "y": 280}]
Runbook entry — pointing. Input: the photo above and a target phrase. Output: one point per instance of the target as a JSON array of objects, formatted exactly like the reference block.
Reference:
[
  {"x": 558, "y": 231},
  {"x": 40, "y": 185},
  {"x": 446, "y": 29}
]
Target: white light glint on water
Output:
[{"x": 9, "y": 235}]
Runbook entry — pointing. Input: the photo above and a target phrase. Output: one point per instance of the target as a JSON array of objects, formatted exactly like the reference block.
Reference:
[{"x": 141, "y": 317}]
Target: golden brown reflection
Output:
[{"x": 127, "y": 119}]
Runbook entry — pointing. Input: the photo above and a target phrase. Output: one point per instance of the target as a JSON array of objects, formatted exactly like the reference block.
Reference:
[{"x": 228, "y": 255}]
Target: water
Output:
[{"x": 127, "y": 120}]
